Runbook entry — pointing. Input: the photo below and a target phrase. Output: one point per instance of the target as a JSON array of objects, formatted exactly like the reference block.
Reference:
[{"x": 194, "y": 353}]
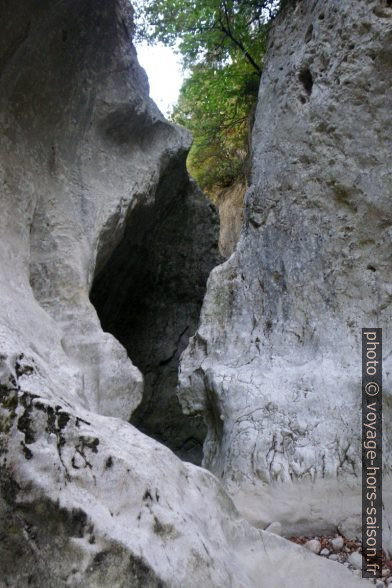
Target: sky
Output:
[{"x": 164, "y": 73}]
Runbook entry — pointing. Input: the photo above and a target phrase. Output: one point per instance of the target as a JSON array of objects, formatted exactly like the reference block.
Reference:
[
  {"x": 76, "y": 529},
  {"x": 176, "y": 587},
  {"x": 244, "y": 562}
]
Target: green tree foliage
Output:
[
  {"x": 215, "y": 105},
  {"x": 222, "y": 43}
]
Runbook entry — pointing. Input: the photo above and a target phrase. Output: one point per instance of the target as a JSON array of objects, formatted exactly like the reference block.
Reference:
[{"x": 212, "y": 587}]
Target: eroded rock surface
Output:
[
  {"x": 85, "y": 498},
  {"x": 275, "y": 364},
  {"x": 88, "y": 500}
]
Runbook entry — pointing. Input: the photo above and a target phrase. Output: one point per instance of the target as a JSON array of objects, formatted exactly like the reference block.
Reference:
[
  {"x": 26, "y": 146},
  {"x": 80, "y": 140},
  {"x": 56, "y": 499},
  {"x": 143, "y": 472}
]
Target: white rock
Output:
[
  {"x": 337, "y": 543},
  {"x": 269, "y": 350},
  {"x": 313, "y": 545},
  {"x": 325, "y": 552},
  {"x": 355, "y": 560},
  {"x": 275, "y": 528},
  {"x": 334, "y": 557},
  {"x": 82, "y": 148}
]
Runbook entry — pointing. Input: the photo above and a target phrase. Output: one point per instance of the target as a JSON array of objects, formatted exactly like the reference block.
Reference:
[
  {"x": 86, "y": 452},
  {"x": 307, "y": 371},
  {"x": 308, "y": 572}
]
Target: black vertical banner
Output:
[{"x": 372, "y": 452}]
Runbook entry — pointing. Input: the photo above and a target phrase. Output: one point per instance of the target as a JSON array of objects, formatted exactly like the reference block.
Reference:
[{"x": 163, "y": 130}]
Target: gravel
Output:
[{"x": 346, "y": 552}]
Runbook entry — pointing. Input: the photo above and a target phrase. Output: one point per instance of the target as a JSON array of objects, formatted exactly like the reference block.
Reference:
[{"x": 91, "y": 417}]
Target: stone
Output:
[
  {"x": 356, "y": 559},
  {"x": 313, "y": 545},
  {"x": 350, "y": 528},
  {"x": 337, "y": 543},
  {"x": 334, "y": 557},
  {"x": 281, "y": 321},
  {"x": 325, "y": 552},
  {"x": 275, "y": 528}
]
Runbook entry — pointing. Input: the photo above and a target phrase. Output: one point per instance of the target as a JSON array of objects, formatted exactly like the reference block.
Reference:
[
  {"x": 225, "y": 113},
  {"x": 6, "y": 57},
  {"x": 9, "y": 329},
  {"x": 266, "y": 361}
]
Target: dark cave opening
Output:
[
  {"x": 306, "y": 78},
  {"x": 149, "y": 296}
]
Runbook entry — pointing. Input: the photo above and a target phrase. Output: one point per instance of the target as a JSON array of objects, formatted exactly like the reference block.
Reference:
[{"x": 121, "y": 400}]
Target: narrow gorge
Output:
[
  {"x": 149, "y": 297},
  {"x": 167, "y": 393}
]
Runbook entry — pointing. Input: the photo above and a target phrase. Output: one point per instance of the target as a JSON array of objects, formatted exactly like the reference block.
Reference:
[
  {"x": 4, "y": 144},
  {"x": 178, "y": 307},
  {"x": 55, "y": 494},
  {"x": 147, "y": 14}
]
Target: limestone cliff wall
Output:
[
  {"x": 275, "y": 364},
  {"x": 85, "y": 498}
]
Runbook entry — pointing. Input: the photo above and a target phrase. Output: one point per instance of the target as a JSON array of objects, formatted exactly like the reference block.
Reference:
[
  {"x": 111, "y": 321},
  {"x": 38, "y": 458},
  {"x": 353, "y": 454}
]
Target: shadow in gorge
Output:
[{"x": 149, "y": 296}]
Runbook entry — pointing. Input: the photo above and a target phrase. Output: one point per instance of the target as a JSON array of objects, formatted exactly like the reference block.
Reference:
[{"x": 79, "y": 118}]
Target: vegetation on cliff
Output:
[{"x": 222, "y": 44}]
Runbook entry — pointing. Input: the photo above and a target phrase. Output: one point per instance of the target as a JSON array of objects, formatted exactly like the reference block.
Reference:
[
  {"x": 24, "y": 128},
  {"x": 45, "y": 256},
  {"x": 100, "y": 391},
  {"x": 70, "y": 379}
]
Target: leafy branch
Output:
[{"x": 222, "y": 44}]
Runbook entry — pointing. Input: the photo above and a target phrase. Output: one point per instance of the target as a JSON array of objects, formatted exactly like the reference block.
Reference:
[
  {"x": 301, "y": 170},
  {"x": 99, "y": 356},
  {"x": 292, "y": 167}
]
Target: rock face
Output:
[
  {"x": 275, "y": 364},
  {"x": 230, "y": 204},
  {"x": 85, "y": 498}
]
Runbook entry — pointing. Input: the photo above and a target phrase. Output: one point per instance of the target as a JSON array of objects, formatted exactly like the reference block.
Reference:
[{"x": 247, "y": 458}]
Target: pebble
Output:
[
  {"x": 275, "y": 528},
  {"x": 337, "y": 543},
  {"x": 334, "y": 557},
  {"x": 355, "y": 560},
  {"x": 385, "y": 573},
  {"x": 313, "y": 545},
  {"x": 324, "y": 551}
]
